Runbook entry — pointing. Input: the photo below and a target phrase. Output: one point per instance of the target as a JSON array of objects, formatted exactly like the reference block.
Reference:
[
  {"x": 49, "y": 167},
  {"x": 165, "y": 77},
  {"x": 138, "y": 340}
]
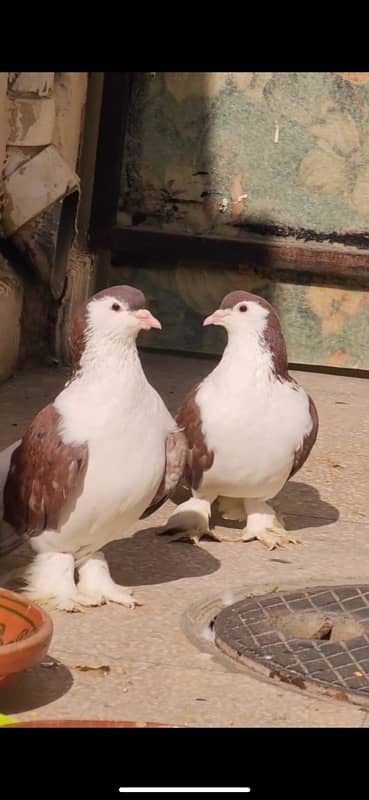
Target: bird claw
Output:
[
  {"x": 271, "y": 538},
  {"x": 181, "y": 536},
  {"x": 117, "y": 595},
  {"x": 81, "y": 602},
  {"x": 70, "y": 604},
  {"x": 195, "y": 537}
]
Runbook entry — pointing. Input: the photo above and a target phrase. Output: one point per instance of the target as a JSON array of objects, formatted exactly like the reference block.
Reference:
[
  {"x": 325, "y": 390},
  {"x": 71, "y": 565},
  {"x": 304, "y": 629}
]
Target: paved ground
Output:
[{"x": 159, "y": 668}]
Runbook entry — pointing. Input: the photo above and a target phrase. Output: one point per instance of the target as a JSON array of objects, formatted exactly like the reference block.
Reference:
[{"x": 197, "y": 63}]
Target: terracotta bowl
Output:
[
  {"x": 89, "y": 723},
  {"x": 25, "y": 635}
]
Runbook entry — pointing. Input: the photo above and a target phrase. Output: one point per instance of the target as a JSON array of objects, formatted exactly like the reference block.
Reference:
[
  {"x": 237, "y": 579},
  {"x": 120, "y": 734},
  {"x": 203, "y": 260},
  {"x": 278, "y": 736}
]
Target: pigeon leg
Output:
[
  {"x": 263, "y": 524},
  {"x": 96, "y": 586},
  {"x": 231, "y": 508},
  {"x": 50, "y": 581},
  {"x": 189, "y": 520}
]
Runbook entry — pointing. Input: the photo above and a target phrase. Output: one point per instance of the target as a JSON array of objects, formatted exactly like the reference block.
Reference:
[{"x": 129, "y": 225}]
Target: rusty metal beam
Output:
[{"x": 260, "y": 254}]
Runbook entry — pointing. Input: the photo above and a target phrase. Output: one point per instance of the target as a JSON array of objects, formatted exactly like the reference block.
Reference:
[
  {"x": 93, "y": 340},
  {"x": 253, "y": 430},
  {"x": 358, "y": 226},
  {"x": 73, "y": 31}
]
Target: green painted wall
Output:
[
  {"x": 323, "y": 326},
  {"x": 231, "y": 154},
  {"x": 296, "y": 144}
]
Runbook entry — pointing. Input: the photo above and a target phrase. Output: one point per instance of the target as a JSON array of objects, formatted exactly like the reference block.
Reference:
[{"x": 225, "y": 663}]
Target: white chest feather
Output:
[
  {"x": 253, "y": 423},
  {"x": 125, "y": 424}
]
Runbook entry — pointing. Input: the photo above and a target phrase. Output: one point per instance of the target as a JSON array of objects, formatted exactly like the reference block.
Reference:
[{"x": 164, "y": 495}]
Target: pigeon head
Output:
[
  {"x": 120, "y": 312},
  {"x": 112, "y": 317},
  {"x": 241, "y": 312},
  {"x": 248, "y": 315}
]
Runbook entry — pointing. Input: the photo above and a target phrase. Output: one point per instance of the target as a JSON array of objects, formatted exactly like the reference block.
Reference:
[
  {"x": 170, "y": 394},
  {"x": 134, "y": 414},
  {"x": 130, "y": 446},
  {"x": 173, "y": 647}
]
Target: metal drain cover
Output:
[{"x": 314, "y": 639}]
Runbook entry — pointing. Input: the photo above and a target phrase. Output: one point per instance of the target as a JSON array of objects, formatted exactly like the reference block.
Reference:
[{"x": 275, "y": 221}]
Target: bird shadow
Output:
[
  {"x": 303, "y": 501},
  {"x": 297, "y": 502},
  {"x": 148, "y": 558},
  {"x": 36, "y": 687}
]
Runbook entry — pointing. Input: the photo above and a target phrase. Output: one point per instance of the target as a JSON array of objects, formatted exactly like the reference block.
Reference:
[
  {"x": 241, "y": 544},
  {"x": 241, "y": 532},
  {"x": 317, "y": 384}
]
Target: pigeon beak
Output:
[
  {"x": 217, "y": 318},
  {"x": 147, "y": 320}
]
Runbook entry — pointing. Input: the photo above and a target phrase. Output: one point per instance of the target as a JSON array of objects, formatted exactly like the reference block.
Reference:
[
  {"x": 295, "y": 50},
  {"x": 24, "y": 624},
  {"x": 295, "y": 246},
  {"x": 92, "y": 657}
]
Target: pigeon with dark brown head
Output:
[
  {"x": 249, "y": 426},
  {"x": 105, "y": 453}
]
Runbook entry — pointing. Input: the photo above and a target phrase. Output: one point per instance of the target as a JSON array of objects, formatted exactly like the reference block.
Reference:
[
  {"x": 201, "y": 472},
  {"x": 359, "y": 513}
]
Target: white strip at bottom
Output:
[{"x": 223, "y": 790}]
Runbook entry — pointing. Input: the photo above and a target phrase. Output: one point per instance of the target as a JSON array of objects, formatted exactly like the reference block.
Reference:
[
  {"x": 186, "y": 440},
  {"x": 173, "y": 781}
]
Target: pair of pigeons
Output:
[{"x": 107, "y": 452}]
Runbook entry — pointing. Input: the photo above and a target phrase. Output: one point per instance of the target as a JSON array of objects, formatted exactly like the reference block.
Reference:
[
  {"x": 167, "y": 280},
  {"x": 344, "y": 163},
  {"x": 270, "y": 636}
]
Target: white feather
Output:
[
  {"x": 111, "y": 407},
  {"x": 252, "y": 422}
]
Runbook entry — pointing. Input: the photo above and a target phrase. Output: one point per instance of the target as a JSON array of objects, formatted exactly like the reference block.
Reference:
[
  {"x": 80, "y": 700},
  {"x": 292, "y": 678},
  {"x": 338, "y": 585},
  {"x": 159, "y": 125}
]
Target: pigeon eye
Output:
[
  {"x": 243, "y": 308},
  {"x": 116, "y": 307}
]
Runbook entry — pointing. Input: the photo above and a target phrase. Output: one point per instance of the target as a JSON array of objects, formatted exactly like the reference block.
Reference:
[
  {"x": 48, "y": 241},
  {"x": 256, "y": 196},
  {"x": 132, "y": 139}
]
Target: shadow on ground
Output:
[
  {"x": 37, "y": 687},
  {"x": 147, "y": 558},
  {"x": 304, "y": 501},
  {"x": 299, "y": 501}
]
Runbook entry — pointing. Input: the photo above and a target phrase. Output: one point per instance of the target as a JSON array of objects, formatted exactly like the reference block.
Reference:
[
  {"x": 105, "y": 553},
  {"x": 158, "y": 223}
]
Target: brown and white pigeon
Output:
[
  {"x": 105, "y": 453},
  {"x": 249, "y": 427}
]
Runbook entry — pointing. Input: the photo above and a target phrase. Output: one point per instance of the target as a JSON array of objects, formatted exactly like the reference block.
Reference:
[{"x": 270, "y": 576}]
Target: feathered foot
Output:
[
  {"x": 96, "y": 586},
  {"x": 264, "y": 524},
  {"x": 189, "y": 521}
]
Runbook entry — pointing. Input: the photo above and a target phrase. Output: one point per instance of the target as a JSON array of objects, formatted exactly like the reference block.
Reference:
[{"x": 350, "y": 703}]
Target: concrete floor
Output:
[{"x": 158, "y": 669}]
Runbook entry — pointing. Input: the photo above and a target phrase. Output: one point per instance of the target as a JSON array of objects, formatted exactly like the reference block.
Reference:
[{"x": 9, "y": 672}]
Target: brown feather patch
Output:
[
  {"x": 76, "y": 338},
  {"x": 42, "y": 476},
  {"x": 175, "y": 463},
  {"x": 303, "y": 452},
  {"x": 134, "y": 298},
  {"x": 200, "y": 458}
]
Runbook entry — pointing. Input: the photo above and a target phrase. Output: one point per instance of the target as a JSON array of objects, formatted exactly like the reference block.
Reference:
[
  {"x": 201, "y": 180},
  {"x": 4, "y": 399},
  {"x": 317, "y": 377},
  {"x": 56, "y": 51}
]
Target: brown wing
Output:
[
  {"x": 308, "y": 442},
  {"x": 175, "y": 463},
  {"x": 43, "y": 473},
  {"x": 200, "y": 458}
]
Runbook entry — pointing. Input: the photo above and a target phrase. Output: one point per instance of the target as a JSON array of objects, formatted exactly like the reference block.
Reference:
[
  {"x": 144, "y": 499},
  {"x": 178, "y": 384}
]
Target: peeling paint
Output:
[
  {"x": 36, "y": 185},
  {"x": 31, "y": 83},
  {"x": 39, "y": 203},
  {"x": 70, "y": 96},
  {"x": 31, "y": 122}
]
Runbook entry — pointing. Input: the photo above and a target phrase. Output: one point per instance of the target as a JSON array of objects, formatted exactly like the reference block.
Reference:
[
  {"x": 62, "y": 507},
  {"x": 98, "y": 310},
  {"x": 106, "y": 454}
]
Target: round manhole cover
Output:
[{"x": 315, "y": 639}]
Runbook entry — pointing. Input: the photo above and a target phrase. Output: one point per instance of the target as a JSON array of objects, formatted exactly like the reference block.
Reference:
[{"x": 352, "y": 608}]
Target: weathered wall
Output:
[
  {"x": 324, "y": 326},
  {"x": 236, "y": 154},
  {"x": 11, "y": 305},
  {"x": 82, "y": 262},
  {"x": 224, "y": 152},
  {"x": 41, "y": 124},
  {"x": 11, "y": 286}
]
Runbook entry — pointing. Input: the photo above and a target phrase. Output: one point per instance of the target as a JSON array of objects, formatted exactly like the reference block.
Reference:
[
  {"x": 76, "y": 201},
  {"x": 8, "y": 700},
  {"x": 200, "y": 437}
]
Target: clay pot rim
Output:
[
  {"x": 88, "y": 723},
  {"x": 44, "y": 630}
]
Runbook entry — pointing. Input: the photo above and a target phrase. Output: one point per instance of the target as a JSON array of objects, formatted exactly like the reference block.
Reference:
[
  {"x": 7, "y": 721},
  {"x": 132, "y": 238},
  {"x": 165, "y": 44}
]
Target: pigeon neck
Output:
[
  {"x": 111, "y": 361},
  {"x": 247, "y": 357}
]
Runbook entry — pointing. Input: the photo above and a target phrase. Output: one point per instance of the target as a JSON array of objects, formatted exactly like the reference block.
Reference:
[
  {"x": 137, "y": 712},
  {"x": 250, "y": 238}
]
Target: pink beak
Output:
[
  {"x": 147, "y": 320},
  {"x": 216, "y": 318}
]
